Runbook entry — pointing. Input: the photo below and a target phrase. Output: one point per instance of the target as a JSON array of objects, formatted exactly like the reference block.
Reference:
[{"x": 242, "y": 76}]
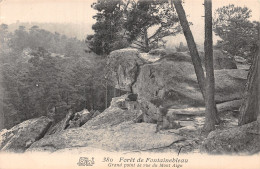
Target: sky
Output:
[{"x": 80, "y": 12}]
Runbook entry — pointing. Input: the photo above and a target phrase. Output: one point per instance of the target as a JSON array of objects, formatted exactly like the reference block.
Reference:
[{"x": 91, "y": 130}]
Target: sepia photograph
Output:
[{"x": 114, "y": 84}]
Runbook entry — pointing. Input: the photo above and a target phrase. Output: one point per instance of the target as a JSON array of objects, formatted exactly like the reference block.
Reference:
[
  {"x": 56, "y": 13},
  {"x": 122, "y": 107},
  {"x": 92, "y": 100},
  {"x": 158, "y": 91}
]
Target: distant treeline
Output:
[{"x": 71, "y": 30}]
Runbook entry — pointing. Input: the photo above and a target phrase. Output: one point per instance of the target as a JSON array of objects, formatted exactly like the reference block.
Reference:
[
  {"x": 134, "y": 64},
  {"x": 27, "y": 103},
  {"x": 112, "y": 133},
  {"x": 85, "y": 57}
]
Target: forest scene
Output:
[{"x": 139, "y": 79}]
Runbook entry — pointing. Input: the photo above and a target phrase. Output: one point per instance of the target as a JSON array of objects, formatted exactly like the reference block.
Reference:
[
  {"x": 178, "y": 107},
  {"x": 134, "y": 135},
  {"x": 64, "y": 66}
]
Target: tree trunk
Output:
[
  {"x": 191, "y": 44},
  {"x": 210, "y": 81},
  {"x": 250, "y": 106},
  {"x": 193, "y": 51},
  {"x": 258, "y": 73}
]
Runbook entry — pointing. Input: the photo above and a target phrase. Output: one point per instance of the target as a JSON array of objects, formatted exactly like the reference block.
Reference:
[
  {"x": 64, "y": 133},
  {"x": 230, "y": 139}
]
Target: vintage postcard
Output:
[{"x": 129, "y": 84}]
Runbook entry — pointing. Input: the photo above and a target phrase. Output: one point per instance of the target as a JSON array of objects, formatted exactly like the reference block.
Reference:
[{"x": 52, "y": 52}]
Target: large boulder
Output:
[
  {"x": 243, "y": 139},
  {"x": 170, "y": 82},
  {"x": 120, "y": 110},
  {"x": 127, "y": 136},
  {"x": 221, "y": 60},
  {"x": 21, "y": 136},
  {"x": 170, "y": 79},
  {"x": 71, "y": 120},
  {"x": 60, "y": 126},
  {"x": 124, "y": 66},
  {"x": 80, "y": 118},
  {"x": 240, "y": 59}
]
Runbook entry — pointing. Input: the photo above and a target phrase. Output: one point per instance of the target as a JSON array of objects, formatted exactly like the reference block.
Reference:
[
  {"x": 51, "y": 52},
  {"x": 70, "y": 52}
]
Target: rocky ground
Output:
[
  {"x": 116, "y": 130},
  {"x": 130, "y": 123}
]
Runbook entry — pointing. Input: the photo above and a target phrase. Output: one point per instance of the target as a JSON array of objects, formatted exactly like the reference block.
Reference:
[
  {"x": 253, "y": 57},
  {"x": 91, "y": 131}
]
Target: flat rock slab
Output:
[
  {"x": 127, "y": 136},
  {"x": 21, "y": 136},
  {"x": 229, "y": 106},
  {"x": 199, "y": 111},
  {"x": 192, "y": 111}
]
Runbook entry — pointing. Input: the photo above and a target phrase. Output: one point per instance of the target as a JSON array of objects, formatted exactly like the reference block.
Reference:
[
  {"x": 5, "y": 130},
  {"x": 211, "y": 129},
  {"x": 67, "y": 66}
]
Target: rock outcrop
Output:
[
  {"x": 124, "y": 66},
  {"x": 118, "y": 128},
  {"x": 238, "y": 140},
  {"x": 72, "y": 120},
  {"x": 122, "y": 109},
  {"x": 221, "y": 60},
  {"x": 233, "y": 105},
  {"x": 170, "y": 79},
  {"x": 131, "y": 121},
  {"x": 127, "y": 136},
  {"x": 240, "y": 59},
  {"x": 174, "y": 83},
  {"x": 21, "y": 136}
]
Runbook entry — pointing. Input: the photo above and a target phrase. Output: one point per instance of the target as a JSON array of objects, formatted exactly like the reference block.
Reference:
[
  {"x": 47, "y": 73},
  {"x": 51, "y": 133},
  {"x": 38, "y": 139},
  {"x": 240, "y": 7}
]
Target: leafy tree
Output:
[
  {"x": 142, "y": 24},
  {"x": 238, "y": 33},
  {"x": 108, "y": 28},
  {"x": 3, "y": 33},
  {"x": 144, "y": 15},
  {"x": 19, "y": 40}
]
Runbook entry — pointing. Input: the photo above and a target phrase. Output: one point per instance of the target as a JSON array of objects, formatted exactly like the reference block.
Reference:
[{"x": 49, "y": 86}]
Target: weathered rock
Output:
[
  {"x": 229, "y": 84},
  {"x": 200, "y": 111},
  {"x": 160, "y": 52},
  {"x": 124, "y": 64},
  {"x": 182, "y": 130},
  {"x": 71, "y": 120},
  {"x": 21, "y": 136},
  {"x": 150, "y": 111},
  {"x": 150, "y": 58},
  {"x": 60, "y": 126},
  {"x": 229, "y": 106},
  {"x": 81, "y": 118},
  {"x": 221, "y": 60},
  {"x": 240, "y": 59},
  {"x": 171, "y": 79},
  {"x": 168, "y": 82},
  {"x": 243, "y": 66},
  {"x": 120, "y": 110},
  {"x": 192, "y": 111},
  {"x": 124, "y": 137},
  {"x": 95, "y": 113},
  {"x": 243, "y": 139}
]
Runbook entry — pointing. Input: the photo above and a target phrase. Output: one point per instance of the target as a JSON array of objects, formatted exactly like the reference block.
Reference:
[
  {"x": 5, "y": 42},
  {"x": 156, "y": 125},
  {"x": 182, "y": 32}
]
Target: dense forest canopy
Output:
[{"x": 46, "y": 73}]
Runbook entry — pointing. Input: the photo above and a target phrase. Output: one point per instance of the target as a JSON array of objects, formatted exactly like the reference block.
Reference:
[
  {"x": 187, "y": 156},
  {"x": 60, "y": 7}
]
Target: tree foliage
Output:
[
  {"x": 108, "y": 27},
  {"x": 144, "y": 15},
  {"x": 239, "y": 35},
  {"x": 141, "y": 24},
  {"x": 46, "y": 73}
]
